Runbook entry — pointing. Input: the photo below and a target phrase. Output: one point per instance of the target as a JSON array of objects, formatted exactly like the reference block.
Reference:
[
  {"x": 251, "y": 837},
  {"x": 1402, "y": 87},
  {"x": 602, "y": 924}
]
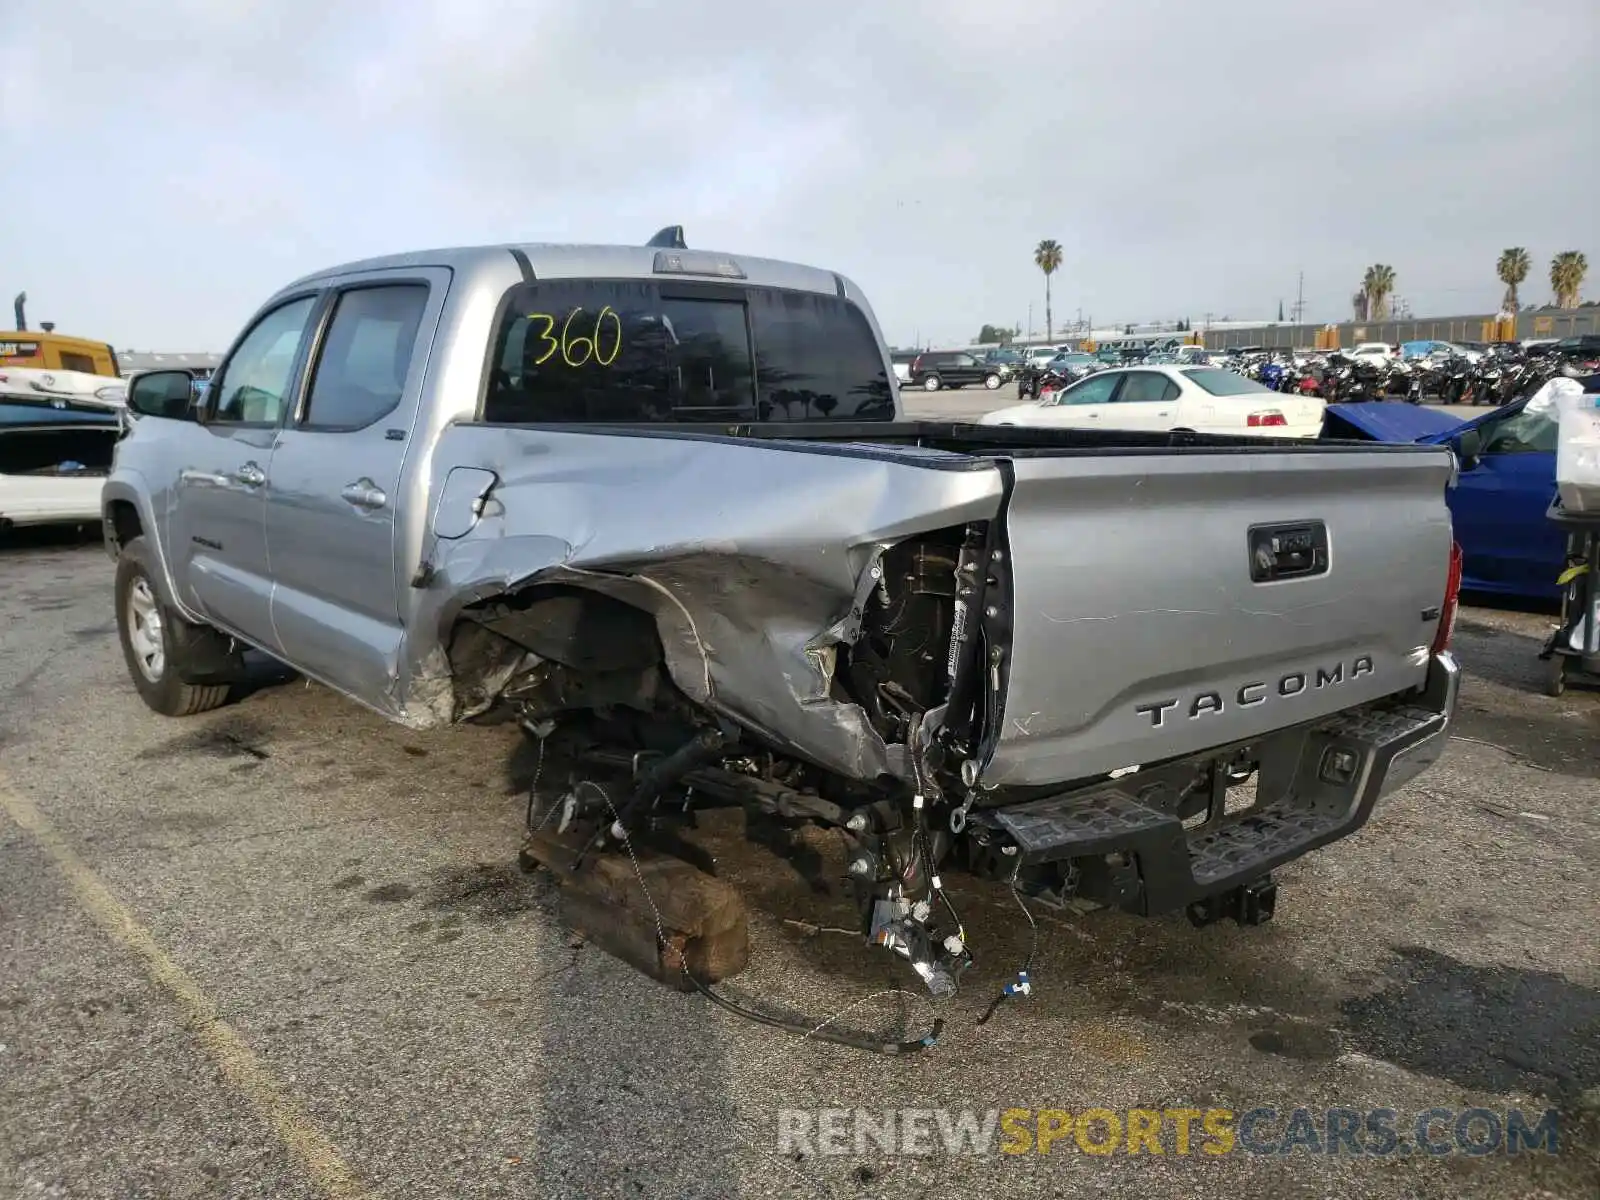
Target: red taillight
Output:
[
  {"x": 1452, "y": 594},
  {"x": 1258, "y": 420}
]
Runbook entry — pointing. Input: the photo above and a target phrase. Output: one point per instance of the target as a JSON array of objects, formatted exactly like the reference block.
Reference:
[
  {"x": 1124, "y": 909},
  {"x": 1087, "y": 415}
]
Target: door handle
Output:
[
  {"x": 364, "y": 494},
  {"x": 250, "y": 475},
  {"x": 209, "y": 478}
]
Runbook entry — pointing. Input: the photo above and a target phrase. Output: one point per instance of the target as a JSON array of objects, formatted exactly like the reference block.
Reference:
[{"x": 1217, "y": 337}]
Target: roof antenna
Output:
[{"x": 669, "y": 238}]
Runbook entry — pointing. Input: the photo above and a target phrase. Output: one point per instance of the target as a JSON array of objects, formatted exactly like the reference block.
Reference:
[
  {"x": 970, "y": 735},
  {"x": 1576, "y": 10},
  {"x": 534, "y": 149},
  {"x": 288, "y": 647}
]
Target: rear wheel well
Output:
[{"x": 602, "y": 647}]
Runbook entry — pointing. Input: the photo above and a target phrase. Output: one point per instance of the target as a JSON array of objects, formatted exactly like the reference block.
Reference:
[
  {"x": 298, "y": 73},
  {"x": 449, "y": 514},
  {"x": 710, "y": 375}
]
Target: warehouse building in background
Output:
[
  {"x": 1474, "y": 327},
  {"x": 134, "y": 362}
]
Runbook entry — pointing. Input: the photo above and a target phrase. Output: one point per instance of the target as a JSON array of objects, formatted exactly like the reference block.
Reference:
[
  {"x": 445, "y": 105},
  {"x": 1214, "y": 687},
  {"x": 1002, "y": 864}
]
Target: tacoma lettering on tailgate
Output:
[{"x": 1257, "y": 692}]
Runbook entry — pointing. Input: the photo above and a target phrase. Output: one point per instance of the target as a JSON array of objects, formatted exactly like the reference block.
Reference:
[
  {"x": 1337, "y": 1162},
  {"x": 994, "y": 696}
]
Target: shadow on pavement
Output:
[{"x": 631, "y": 1071}]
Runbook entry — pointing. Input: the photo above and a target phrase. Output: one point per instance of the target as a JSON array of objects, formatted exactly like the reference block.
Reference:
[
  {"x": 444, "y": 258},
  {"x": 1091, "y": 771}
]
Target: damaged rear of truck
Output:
[
  {"x": 663, "y": 510},
  {"x": 1144, "y": 677},
  {"x": 1142, "y": 671}
]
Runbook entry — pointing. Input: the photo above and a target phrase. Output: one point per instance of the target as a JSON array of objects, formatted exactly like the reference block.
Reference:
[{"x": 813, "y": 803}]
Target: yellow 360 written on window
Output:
[{"x": 574, "y": 345}]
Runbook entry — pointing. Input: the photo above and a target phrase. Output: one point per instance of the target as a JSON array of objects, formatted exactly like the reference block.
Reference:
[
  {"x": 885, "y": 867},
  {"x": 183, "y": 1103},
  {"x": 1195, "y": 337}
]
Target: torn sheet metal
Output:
[{"x": 755, "y": 559}]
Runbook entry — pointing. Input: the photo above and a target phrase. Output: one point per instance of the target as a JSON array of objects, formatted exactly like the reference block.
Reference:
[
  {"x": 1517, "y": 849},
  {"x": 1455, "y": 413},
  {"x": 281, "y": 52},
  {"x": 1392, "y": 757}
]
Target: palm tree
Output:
[
  {"x": 1047, "y": 257},
  {"x": 1567, "y": 270},
  {"x": 1378, "y": 283},
  {"x": 1512, "y": 269}
]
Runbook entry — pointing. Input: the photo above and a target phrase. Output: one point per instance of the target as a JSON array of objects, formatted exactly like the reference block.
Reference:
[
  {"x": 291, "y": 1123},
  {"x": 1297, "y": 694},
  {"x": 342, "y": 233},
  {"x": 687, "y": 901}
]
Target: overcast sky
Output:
[{"x": 169, "y": 164}]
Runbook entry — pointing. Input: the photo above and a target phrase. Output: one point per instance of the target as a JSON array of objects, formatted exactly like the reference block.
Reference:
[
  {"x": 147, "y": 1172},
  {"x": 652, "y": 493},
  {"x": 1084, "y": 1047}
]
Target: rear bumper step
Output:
[{"x": 1328, "y": 778}]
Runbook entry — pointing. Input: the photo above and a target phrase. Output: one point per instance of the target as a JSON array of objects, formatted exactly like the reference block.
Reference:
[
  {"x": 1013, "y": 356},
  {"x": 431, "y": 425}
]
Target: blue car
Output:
[{"x": 1507, "y": 481}]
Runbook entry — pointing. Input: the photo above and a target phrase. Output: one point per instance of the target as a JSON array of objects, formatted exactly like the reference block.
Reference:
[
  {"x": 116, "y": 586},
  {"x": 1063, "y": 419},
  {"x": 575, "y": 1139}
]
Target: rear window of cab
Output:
[{"x": 645, "y": 352}]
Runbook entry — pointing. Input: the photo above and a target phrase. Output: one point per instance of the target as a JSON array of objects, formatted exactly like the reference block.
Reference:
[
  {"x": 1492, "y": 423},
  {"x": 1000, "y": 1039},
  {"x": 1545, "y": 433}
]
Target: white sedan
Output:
[
  {"x": 1202, "y": 399},
  {"x": 58, "y": 430}
]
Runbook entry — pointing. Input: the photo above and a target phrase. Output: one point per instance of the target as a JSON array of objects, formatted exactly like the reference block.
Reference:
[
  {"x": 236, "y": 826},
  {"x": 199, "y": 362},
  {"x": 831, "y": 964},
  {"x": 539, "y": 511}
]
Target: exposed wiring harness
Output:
[
  {"x": 821, "y": 1032},
  {"x": 1023, "y": 985},
  {"x": 924, "y": 850}
]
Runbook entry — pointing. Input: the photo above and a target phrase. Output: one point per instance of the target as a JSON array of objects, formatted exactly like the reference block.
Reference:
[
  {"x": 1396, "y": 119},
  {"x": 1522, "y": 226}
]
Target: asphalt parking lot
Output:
[{"x": 284, "y": 950}]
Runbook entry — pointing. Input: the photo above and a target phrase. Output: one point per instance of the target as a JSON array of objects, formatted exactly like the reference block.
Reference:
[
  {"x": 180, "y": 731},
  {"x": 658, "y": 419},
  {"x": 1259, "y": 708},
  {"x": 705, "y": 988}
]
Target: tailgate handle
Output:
[{"x": 1294, "y": 550}]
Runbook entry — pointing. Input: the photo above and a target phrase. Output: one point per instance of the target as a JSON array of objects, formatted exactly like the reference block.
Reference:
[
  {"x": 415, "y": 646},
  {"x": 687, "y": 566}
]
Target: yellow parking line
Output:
[{"x": 239, "y": 1063}]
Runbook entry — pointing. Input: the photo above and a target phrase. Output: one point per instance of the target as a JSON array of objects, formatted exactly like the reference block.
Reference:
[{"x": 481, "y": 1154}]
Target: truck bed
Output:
[{"x": 1130, "y": 627}]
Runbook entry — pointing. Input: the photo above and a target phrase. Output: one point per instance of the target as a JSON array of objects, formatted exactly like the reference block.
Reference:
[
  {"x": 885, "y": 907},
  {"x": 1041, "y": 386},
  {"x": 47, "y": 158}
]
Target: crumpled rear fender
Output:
[{"x": 753, "y": 558}]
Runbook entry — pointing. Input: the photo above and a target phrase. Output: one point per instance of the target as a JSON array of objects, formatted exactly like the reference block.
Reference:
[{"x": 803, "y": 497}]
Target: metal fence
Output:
[{"x": 1538, "y": 323}]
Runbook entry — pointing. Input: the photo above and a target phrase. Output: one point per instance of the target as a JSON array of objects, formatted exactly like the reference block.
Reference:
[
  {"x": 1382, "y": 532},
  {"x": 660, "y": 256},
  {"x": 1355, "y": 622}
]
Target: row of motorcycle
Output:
[{"x": 1495, "y": 378}]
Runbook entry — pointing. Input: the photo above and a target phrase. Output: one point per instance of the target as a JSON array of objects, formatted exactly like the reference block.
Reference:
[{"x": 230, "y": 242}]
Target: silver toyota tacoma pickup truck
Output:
[{"x": 662, "y": 507}]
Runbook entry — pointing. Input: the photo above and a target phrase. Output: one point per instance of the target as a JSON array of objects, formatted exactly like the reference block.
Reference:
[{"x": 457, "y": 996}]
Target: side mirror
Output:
[
  {"x": 1469, "y": 448},
  {"x": 167, "y": 394}
]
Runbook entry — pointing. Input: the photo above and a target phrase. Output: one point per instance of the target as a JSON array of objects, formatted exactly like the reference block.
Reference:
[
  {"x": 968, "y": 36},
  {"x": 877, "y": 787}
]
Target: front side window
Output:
[
  {"x": 1524, "y": 432},
  {"x": 254, "y": 381},
  {"x": 361, "y": 369},
  {"x": 585, "y": 351},
  {"x": 1096, "y": 389}
]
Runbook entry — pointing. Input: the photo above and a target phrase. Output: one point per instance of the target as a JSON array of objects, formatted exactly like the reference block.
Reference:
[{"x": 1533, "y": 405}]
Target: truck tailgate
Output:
[{"x": 1162, "y": 604}]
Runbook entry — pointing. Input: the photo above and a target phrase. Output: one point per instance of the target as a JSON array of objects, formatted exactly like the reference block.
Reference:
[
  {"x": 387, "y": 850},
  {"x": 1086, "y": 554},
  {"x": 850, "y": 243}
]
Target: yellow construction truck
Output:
[{"x": 48, "y": 350}]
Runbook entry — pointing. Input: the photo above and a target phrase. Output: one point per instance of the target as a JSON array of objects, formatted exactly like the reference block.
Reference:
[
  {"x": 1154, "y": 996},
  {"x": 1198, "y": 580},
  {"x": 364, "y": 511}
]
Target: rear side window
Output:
[
  {"x": 365, "y": 355},
  {"x": 582, "y": 351},
  {"x": 1145, "y": 387},
  {"x": 1220, "y": 382}
]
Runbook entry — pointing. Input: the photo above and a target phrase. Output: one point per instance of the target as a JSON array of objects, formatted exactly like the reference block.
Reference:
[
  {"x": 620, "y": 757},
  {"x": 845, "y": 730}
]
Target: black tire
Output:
[
  {"x": 991, "y": 381},
  {"x": 932, "y": 383},
  {"x": 146, "y": 627},
  {"x": 1555, "y": 675}
]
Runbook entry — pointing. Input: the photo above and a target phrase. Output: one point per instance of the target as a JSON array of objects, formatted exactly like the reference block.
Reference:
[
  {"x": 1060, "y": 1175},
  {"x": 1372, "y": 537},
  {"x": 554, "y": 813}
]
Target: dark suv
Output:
[{"x": 934, "y": 369}]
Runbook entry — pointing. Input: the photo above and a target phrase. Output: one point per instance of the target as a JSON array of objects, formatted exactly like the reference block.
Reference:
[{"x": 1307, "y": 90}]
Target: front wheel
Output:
[
  {"x": 991, "y": 382},
  {"x": 151, "y": 645},
  {"x": 1555, "y": 675}
]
